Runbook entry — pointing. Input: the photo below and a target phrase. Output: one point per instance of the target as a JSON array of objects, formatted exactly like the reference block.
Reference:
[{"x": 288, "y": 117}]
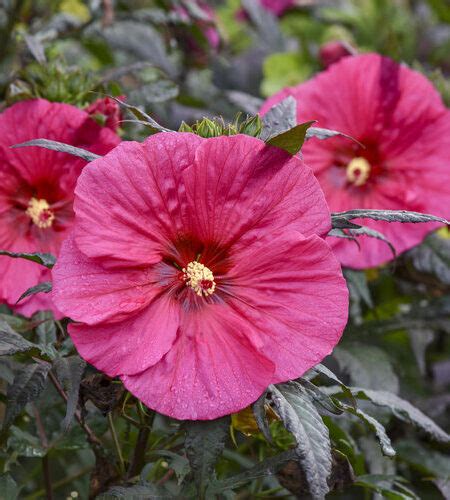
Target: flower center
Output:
[
  {"x": 358, "y": 171},
  {"x": 199, "y": 278},
  {"x": 39, "y": 212}
]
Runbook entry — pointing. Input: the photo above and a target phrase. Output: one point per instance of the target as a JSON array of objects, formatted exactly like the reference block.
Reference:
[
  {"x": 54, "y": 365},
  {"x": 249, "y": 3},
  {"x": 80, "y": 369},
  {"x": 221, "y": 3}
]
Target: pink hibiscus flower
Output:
[
  {"x": 107, "y": 108},
  {"x": 332, "y": 52},
  {"x": 36, "y": 189},
  {"x": 207, "y": 25},
  {"x": 400, "y": 119},
  {"x": 198, "y": 271}
]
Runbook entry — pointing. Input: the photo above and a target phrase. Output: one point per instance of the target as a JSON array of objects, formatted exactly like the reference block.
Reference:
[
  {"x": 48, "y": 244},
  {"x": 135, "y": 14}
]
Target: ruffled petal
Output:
[
  {"x": 239, "y": 187},
  {"x": 131, "y": 345},
  {"x": 132, "y": 221},
  {"x": 291, "y": 293},
  {"x": 211, "y": 370},
  {"x": 86, "y": 292}
]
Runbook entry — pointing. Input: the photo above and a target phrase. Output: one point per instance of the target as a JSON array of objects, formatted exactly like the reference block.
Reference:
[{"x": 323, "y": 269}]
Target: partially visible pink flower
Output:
[
  {"x": 36, "y": 190},
  {"x": 332, "y": 52},
  {"x": 404, "y": 127},
  {"x": 198, "y": 272},
  {"x": 207, "y": 26},
  {"x": 107, "y": 108}
]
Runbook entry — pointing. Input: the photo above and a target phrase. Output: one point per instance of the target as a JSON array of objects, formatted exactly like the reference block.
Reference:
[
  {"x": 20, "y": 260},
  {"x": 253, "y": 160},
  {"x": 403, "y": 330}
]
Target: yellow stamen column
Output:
[
  {"x": 358, "y": 171},
  {"x": 39, "y": 212},
  {"x": 199, "y": 278}
]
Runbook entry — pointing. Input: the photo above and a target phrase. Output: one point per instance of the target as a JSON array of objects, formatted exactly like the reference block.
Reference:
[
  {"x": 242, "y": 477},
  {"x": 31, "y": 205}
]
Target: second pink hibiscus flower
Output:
[{"x": 404, "y": 127}]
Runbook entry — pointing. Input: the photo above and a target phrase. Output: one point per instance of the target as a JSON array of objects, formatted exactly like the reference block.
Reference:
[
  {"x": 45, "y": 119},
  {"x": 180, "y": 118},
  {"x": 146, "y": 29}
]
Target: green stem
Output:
[
  {"x": 45, "y": 462},
  {"x": 140, "y": 448},
  {"x": 116, "y": 444}
]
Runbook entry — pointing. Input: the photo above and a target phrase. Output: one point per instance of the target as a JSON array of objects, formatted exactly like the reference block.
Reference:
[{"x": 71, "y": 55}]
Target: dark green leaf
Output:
[
  {"x": 385, "y": 215},
  {"x": 205, "y": 441},
  {"x": 385, "y": 484},
  {"x": 422, "y": 458},
  {"x": 60, "y": 147},
  {"x": 45, "y": 259},
  {"x": 324, "y": 133},
  {"x": 36, "y": 48},
  {"x": 420, "y": 339},
  {"x": 137, "y": 492},
  {"x": 380, "y": 432},
  {"x": 433, "y": 257},
  {"x": 8, "y": 487},
  {"x": 340, "y": 233},
  {"x": 279, "y": 118},
  {"x": 141, "y": 41},
  {"x": 265, "y": 23},
  {"x": 263, "y": 469},
  {"x": 371, "y": 233},
  {"x": 301, "y": 419},
  {"x": 15, "y": 322},
  {"x": 292, "y": 140},
  {"x": 69, "y": 372},
  {"x": 11, "y": 342},
  {"x": 342, "y": 224},
  {"x": 46, "y": 328},
  {"x": 25, "y": 444},
  {"x": 326, "y": 372},
  {"x": 178, "y": 463},
  {"x": 44, "y": 287},
  {"x": 319, "y": 396},
  {"x": 404, "y": 411},
  {"x": 245, "y": 102},
  {"x": 142, "y": 117},
  {"x": 259, "y": 412},
  {"x": 368, "y": 366},
  {"x": 28, "y": 384},
  {"x": 160, "y": 90}
]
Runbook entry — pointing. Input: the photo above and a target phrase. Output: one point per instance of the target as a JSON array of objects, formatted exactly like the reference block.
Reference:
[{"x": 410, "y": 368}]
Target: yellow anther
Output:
[
  {"x": 199, "y": 278},
  {"x": 39, "y": 212},
  {"x": 358, "y": 171}
]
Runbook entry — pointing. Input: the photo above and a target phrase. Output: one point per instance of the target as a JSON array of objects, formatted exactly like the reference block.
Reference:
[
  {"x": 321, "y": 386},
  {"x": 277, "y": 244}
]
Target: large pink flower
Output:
[
  {"x": 405, "y": 164},
  {"x": 36, "y": 189},
  {"x": 198, "y": 272}
]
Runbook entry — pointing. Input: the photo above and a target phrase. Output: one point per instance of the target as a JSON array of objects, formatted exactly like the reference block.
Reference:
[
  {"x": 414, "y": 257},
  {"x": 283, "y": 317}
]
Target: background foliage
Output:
[{"x": 373, "y": 418}]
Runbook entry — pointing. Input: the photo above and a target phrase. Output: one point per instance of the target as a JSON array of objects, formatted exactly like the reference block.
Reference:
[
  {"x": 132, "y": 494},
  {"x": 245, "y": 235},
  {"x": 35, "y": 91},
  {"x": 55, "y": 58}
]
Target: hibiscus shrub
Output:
[{"x": 243, "y": 306}]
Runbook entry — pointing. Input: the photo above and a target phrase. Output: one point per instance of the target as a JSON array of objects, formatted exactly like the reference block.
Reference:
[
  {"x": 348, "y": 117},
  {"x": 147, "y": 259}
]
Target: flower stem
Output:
[
  {"x": 116, "y": 444},
  {"x": 45, "y": 463},
  {"x": 141, "y": 442}
]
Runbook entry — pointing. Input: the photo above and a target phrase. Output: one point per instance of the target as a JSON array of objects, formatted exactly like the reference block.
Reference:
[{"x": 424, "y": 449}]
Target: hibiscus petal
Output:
[
  {"x": 41, "y": 119},
  {"x": 87, "y": 292},
  {"x": 211, "y": 370},
  {"x": 240, "y": 187},
  {"x": 131, "y": 221},
  {"x": 131, "y": 345},
  {"x": 291, "y": 293}
]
